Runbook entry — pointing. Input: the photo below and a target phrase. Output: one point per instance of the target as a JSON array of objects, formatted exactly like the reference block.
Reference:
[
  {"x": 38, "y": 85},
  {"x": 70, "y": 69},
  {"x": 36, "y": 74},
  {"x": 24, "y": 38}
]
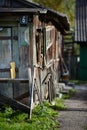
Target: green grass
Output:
[
  {"x": 70, "y": 94},
  {"x": 43, "y": 118},
  {"x": 59, "y": 105},
  {"x": 78, "y": 82},
  {"x": 85, "y": 127}
]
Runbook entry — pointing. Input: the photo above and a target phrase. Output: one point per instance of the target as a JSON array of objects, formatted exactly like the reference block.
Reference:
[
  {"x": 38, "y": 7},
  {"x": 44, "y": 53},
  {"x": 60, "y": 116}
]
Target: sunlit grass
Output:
[
  {"x": 43, "y": 118},
  {"x": 78, "y": 82},
  {"x": 70, "y": 94},
  {"x": 59, "y": 105}
]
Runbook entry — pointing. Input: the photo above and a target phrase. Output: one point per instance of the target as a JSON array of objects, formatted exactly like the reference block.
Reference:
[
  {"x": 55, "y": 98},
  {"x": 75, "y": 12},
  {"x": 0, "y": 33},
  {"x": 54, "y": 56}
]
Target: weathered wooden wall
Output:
[
  {"x": 34, "y": 46},
  {"x": 14, "y": 46},
  {"x": 45, "y": 57}
]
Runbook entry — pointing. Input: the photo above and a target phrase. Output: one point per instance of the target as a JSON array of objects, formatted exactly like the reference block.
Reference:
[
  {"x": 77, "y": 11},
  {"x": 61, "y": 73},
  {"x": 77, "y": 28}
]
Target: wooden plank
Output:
[
  {"x": 24, "y": 57},
  {"x": 2, "y": 10},
  {"x": 8, "y": 37},
  {"x": 22, "y": 96},
  {"x": 14, "y": 104},
  {"x": 7, "y": 70},
  {"x": 14, "y": 80},
  {"x": 31, "y": 86}
]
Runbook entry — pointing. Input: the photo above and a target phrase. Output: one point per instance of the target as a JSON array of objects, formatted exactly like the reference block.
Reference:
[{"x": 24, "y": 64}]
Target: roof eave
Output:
[
  {"x": 19, "y": 10},
  {"x": 62, "y": 18}
]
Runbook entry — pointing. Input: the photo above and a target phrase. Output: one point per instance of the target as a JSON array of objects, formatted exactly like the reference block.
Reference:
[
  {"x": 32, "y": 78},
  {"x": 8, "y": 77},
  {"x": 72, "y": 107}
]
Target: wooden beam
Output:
[
  {"x": 14, "y": 104},
  {"x": 7, "y": 70},
  {"x": 23, "y": 80},
  {"x": 22, "y": 96},
  {"x": 8, "y": 37},
  {"x": 31, "y": 10}
]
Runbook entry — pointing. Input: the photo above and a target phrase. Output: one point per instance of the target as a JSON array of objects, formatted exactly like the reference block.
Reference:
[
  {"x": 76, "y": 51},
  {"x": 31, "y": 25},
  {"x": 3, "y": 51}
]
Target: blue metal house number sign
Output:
[{"x": 24, "y": 20}]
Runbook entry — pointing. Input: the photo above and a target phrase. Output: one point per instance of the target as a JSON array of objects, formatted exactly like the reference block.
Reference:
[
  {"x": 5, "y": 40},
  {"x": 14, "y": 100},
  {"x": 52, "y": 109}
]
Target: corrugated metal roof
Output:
[{"x": 81, "y": 21}]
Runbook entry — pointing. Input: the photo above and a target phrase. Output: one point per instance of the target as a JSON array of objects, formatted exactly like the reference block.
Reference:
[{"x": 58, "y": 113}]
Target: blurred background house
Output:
[{"x": 81, "y": 37}]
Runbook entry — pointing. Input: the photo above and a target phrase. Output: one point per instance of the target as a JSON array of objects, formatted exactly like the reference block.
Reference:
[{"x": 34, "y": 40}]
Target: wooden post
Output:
[
  {"x": 49, "y": 90},
  {"x": 30, "y": 91},
  {"x": 4, "y": 100}
]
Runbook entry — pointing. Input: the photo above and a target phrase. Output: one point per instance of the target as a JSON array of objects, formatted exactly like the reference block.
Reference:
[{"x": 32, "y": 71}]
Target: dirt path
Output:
[{"x": 75, "y": 118}]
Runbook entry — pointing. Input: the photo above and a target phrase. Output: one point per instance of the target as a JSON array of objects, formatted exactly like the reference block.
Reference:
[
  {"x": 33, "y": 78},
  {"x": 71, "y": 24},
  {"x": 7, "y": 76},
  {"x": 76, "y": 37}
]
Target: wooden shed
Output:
[{"x": 31, "y": 38}]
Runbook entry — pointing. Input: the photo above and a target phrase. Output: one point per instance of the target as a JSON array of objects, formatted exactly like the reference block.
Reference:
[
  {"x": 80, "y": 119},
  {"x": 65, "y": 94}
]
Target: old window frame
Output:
[{"x": 48, "y": 45}]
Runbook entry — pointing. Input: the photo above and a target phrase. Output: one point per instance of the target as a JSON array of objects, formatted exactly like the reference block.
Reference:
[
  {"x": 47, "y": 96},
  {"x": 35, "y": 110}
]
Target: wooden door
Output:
[
  {"x": 8, "y": 49},
  {"x": 5, "y": 51}
]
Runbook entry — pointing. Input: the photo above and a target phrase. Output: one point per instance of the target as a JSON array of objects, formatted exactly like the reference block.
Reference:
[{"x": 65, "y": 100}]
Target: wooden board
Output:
[{"x": 14, "y": 104}]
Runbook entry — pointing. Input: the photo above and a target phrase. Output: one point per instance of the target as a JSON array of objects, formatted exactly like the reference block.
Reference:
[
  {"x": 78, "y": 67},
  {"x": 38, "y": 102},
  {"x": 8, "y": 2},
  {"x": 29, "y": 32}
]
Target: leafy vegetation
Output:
[
  {"x": 70, "y": 94},
  {"x": 76, "y": 49},
  {"x": 86, "y": 128},
  {"x": 43, "y": 118},
  {"x": 58, "y": 104},
  {"x": 78, "y": 82}
]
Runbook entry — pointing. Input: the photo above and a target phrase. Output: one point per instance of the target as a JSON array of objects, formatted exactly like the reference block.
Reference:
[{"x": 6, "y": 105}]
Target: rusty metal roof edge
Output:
[
  {"x": 2, "y": 10},
  {"x": 34, "y": 4}
]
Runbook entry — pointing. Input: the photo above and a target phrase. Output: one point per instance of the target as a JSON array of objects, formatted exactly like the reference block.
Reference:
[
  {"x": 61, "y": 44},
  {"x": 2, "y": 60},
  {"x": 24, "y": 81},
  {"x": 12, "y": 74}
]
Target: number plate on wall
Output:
[{"x": 24, "y": 20}]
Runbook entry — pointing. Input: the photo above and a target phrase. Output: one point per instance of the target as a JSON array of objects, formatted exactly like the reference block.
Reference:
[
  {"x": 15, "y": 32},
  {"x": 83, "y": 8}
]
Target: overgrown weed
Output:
[{"x": 43, "y": 118}]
